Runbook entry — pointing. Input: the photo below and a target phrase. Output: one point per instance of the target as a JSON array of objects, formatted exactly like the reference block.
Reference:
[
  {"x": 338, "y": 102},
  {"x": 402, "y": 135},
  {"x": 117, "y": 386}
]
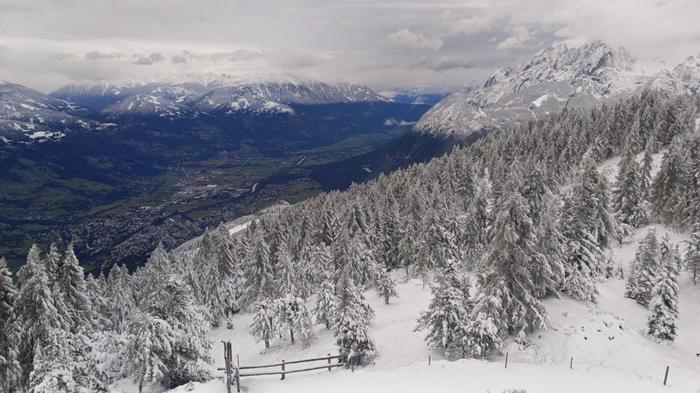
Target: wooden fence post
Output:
[
  {"x": 238, "y": 374},
  {"x": 429, "y": 360},
  {"x": 227, "y": 361},
  {"x": 571, "y": 363},
  {"x": 666, "y": 375},
  {"x": 329, "y": 362},
  {"x": 506, "y": 359},
  {"x": 282, "y": 369}
]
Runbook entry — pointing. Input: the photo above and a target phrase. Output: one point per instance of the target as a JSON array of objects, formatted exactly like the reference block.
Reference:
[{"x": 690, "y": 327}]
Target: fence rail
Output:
[{"x": 234, "y": 375}]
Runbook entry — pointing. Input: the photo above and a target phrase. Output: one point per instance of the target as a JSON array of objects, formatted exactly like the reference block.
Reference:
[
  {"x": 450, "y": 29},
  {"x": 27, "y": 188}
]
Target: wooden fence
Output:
[{"x": 234, "y": 374}]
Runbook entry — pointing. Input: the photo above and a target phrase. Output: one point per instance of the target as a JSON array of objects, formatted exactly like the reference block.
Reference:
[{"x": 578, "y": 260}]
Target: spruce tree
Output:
[
  {"x": 353, "y": 338},
  {"x": 326, "y": 308},
  {"x": 35, "y": 311},
  {"x": 671, "y": 185},
  {"x": 259, "y": 276},
  {"x": 447, "y": 317},
  {"x": 692, "y": 256},
  {"x": 9, "y": 364},
  {"x": 628, "y": 195},
  {"x": 644, "y": 270},
  {"x": 173, "y": 302},
  {"x": 663, "y": 321},
  {"x": 149, "y": 345},
  {"x": 121, "y": 296},
  {"x": 72, "y": 286},
  {"x": 509, "y": 263},
  {"x": 386, "y": 285},
  {"x": 293, "y": 316},
  {"x": 264, "y": 326}
]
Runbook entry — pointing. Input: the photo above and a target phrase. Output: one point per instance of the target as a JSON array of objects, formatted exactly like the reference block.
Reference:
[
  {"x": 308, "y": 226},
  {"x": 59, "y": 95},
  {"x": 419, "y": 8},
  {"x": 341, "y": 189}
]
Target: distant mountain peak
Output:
[{"x": 551, "y": 79}]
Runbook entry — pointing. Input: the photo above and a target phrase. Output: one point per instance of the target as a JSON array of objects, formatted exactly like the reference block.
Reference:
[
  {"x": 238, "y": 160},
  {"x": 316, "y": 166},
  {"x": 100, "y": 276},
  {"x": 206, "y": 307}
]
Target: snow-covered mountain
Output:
[
  {"x": 222, "y": 96},
  {"x": 27, "y": 114},
  {"x": 554, "y": 78},
  {"x": 143, "y": 104},
  {"x": 684, "y": 78}
]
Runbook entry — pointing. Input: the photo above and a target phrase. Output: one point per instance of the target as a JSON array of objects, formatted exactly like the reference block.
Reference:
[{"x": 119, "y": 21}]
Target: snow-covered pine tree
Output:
[
  {"x": 671, "y": 185},
  {"x": 353, "y": 338},
  {"x": 173, "y": 302},
  {"x": 663, "y": 321},
  {"x": 121, "y": 298},
  {"x": 645, "y": 179},
  {"x": 581, "y": 223},
  {"x": 509, "y": 263},
  {"x": 264, "y": 327},
  {"x": 645, "y": 267},
  {"x": 293, "y": 316},
  {"x": 259, "y": 276},
  {"x": 287, "y": 278},
  {"x": 386, "y": 285},
  {"x": 692, "y": 256},
  {"x": 149, "y": 345},
  {"x": 72, "y": 287},
  {"x": 9, "y": 364},
  {"x": 447, "y": 317},
  {"x": 35, "y": 311},
  {"x": 549, "y": 268},
  {"x": 64, "y": 364},
  {"x": 326, "y": 308},
  {"x": 628, "y": 196}
]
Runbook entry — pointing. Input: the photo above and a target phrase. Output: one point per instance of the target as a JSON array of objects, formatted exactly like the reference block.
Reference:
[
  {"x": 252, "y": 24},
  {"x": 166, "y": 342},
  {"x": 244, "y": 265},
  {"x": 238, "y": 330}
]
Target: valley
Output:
[{"x": 117, "y": 193}]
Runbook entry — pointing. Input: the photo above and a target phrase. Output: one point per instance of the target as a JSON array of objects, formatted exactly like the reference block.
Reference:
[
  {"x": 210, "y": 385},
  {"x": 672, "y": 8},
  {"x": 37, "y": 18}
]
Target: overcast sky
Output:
[{"x": 382, "y": 43}]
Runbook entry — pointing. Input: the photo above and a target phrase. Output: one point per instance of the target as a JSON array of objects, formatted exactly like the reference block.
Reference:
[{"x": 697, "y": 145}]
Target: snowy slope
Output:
[
  {"x": 554, "y": 78},
  {"x": 607, "y": 340},
  {"x": 28, "y": 115}
]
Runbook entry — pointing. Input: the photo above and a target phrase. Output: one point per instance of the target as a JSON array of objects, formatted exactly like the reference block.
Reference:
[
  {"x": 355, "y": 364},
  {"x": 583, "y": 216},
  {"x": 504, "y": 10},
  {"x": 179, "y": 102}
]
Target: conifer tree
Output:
[
  {"x": 264, "y": 327},
  {"x": 663, "y": 321},
  {"x": 259, "y": 276},
  {"x": 671, "y": 185},
  {"x": 509, "y": 263},
  {"x": 72, "y": 286},
  {"x": 326, "y": 308},
  {"x": 122, "y": 301},
  {"x": 35, "y": 311},
  {"x": 628, "y": 196},
  {"x": 645, "y": 267},
  {"x": 287, "y": 280},
  {"x": 148, "y": 347},
  {"x": 173, "y": 302},
  {"x": 293, "y": 316},
  {"x": 447, "y": 317},
  {"x": 355, "y": 344},
  {"x": 9, "y": 364},
  {"x": 692, "y": 256},
  {"x": 386, "y": 285}
]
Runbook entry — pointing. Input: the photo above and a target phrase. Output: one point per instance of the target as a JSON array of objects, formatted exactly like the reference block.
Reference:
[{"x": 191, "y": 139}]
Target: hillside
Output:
[{"x": 611, "y": 351}]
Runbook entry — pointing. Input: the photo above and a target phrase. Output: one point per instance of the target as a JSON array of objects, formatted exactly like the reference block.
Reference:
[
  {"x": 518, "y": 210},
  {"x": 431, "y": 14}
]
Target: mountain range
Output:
[
  {"x": 27, "y": 115},
  {"x": 555, "y": 78}
]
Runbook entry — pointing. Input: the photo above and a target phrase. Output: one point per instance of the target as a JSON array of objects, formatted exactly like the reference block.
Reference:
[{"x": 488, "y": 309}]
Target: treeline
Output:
[{"x": 525, "y": 209}]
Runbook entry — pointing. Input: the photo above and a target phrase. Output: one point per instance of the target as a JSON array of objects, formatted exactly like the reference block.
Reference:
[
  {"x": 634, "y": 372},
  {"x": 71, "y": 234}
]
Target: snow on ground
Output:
[{"x": 608, "y": 341}]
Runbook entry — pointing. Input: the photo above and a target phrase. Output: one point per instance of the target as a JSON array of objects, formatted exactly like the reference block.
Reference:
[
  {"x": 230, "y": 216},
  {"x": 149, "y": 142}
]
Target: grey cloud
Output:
[
  {"x": 151, "y": 59},
  {"x": 403, "y": 42},
  {"x": 97, "y": 55}
]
